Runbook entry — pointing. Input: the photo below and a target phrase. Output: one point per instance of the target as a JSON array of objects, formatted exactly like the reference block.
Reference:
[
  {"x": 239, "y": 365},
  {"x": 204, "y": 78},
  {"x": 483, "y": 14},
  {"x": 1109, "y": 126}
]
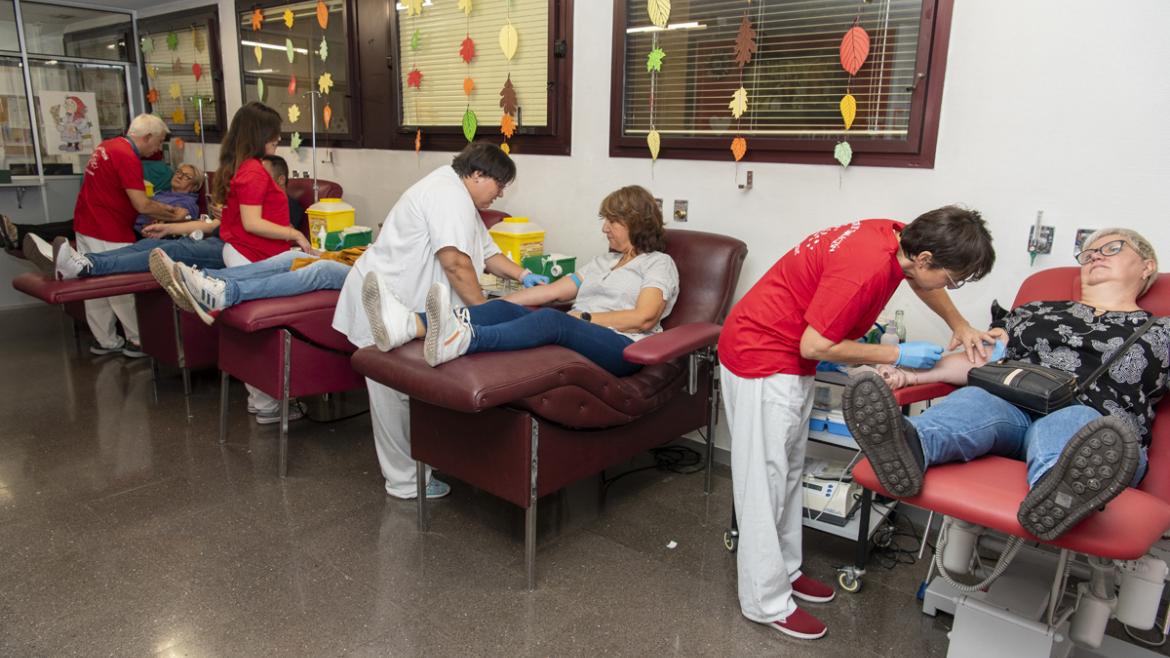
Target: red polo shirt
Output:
[
  {"x": 103, "y": 209},
  {"x": 252, "y": 186}
]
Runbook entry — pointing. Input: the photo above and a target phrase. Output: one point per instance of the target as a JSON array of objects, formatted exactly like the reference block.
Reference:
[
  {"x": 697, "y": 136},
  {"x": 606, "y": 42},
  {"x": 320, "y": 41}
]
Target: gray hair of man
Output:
[
  {"x": 1139, "y": 243},
  {"x": 147, "y": 124}
]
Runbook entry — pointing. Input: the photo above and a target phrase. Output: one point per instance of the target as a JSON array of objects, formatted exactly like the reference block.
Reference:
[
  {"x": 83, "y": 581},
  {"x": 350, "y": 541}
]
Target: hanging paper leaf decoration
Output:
[
  {"x": 197, "y": 127},
  {"x": 507, "y": 125},
  {"x": 508, "y": 96},
  {"x": 470, "y": 124},
  {"x": 152, "y": 96},
  {"x": 414, "y": 7},
  {"x": 467, "y": 49},
  {"x": 172, "y": 41},
  {"x": 854, "y": 49},
  {"x": 745, "y": 42},
  {"x": 258, "y": 53},
  {"x": 844, "y": 153},
  {"x": 505, "y": 148},
  {"x": 294, "y": 142},
  {"x": 257, "y": 19},
  {"x": 325, "y": 82},
  {"x": 178, "y": 116},
  {"x": 414, "y": 40},
  {"x": 738, "y": 102},
  {"x": 414, "y": 78},
  {"x": 260, "y": 90},
  {"x": 176, "y": 91},
  {"x": 848, "y": 110},
  {"x": 417, "y": 140},
  {"x": 147, "y": 45},
  {"x": 292, "y": 86},
  {"x": 654, "y": 60},
  {"x": 323, "y": 50},
  {"x": 179, "y": 143},
  {"x": 198, "y": 39},
  {"x": 465, "y": 6},
  {"x": 738, "y": 148},
  {"x": 289, "y": 50},
  {"x": 289, "y": 18},
  {"x": 322, "y": 15},
  {"x": 509, "y": 41},
  {"x": 468, "y": 86},
  {"x": 654, "y": 141},
  {"x": 659, "y": 11},
  {"x": 328, "y": 113},
  {"x": 177, "y": 67},
  {"x": 294, "y": 113},
  {"x": 152, "y": 71},
  {"x": 197, "y": 71}
]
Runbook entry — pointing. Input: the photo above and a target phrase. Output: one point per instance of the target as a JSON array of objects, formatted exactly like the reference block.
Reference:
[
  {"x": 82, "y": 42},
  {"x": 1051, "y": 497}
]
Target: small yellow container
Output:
[
  {"x": 518, "y": 238},
  {"x": 327, "y": 216},
  {"x": 149, "y": 188}
]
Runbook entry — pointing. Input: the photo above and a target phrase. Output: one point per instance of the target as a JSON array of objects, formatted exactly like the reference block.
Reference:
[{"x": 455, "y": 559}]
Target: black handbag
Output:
[{"x": 1038, "y": 389}]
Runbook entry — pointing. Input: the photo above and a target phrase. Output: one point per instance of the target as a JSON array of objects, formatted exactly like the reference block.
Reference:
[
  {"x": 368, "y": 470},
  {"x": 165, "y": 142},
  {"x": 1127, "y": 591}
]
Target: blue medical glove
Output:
[
  {"x": 919, "y": 355},
  {"x": 531, "y": 279},
  {"x": 999, "y": 351}
]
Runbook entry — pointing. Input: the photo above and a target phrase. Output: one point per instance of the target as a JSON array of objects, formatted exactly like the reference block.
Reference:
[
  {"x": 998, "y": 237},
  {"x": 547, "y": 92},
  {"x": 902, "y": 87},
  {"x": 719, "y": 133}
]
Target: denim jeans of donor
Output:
[
  {"x": 205, "y": 254},
  {"x": 272, "y": 277},
  {"x": 501, "y": 326},
  {"x": 971, "y": 422}
]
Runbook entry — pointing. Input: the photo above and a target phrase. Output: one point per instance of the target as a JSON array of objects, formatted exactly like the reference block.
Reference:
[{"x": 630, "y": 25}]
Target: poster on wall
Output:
[{"x": 70, "y": 120}]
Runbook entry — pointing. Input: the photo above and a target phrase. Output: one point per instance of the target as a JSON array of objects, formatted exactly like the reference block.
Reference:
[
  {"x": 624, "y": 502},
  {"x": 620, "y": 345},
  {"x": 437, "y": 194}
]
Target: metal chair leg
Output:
[
  {"x": 712, "y": 414},
  {"x": 420, "y": 470},
  {"x": 530, "y": 513},
  {"x": 286, "y": 358},
  {"x": 223, "y": 405},
  {"x": 179, "y": 352}
]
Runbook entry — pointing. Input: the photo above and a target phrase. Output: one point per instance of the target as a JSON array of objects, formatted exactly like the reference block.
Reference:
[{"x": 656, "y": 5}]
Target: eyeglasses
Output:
[
  {"x": 1111, "y": 248},
  {"x": 952, "y": 284},
  {"x": 182, "y": 175}
]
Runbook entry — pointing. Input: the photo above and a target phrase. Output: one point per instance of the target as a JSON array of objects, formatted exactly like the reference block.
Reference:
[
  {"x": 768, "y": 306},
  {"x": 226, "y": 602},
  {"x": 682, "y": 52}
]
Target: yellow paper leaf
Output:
[
  {"x": 294, "y": 113},
  {"x": 152, "y": 71},
  {"x": 465, "y": 6},
  {"x": 654, "y": 141},
  {"x": 848, "y": 110},
  {"x": 325, "y": 82},
  {"x": 289, "y": 18},
  {"x": 659, "y": 11},
  {"x": 176, "y": 92},
  {"x": 509, "y": 40},
  {"x": 258, "y": 52},
  {"x": 178, "y": 116},
  {"x": 739, "y": 148},
  {"x": 738, "y": 102},
  {"x": 414, "y": 7},
  {"x": 505, "y": 148},
  {"x": 198, "y": 127}
]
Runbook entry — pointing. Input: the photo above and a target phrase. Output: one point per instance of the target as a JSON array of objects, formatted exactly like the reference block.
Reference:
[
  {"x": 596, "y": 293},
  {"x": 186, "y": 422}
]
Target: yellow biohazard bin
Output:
[
  {"x": 327, "y": 216},
  {"x": 518, "y": 238}
]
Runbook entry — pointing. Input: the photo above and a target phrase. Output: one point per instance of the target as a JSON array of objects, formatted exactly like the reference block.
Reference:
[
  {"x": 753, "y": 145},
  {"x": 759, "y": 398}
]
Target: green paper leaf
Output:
[
  {"x": 295, "y": 141},
  {"x": 147, "y": 45},
  {"x": 173, "y": 41},
  {"x": 260, "y": 90},
  {"x": 844, "y": 153},
  {"x": 470, "y": 124},
  {"x": 654, "y": 60},
  {"x": 414, "y": 39},
  {"x": 323, "y": 50},
  {"x": 289, "y": 50}
]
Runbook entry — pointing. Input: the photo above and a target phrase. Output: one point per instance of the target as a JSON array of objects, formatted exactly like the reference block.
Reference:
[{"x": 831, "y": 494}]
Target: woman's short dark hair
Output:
[
  {"x": 486, "y": 159},
  {"x": 957, "y": 239},
  {"x": 635, "y": 208}
]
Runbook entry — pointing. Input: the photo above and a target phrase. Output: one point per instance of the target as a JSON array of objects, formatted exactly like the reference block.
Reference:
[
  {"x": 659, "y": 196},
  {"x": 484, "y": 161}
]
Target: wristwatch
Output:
[{"x": 587, "y": 316}]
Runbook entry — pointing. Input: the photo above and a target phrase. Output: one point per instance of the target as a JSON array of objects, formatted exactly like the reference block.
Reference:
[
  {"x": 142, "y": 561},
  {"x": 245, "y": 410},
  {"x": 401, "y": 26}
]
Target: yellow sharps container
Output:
[
  {"x": 327, "y": 216},
  {"x": 518, "y": 238}
]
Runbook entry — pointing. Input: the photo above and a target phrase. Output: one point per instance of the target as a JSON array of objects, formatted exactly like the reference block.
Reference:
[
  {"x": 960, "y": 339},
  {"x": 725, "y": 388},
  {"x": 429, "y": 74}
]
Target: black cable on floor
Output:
[{"x": 673, "y": 459}]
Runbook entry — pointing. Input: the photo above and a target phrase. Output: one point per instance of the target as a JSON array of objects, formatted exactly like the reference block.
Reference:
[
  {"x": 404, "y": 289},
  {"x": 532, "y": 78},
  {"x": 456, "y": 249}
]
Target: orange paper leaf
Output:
[
  {"x": 178, "y": 143},
  {"x": 152, "y": 96},
  {"x": 257, "y": 19},
  {"x": 854, "y": 49},
  {"x": 418, "y": 140},
  {"x": 467, "y": 49},
  {"x": 507, "y": 125},
  {"x": 328, "y": 112},
  {"x": 322, "y": 15},
  {"x": 745, "y": 42},
  {"x": 292, "y": 86},
  {"x": 468, "y": 86},
  {"x": 739, "y": 148}
]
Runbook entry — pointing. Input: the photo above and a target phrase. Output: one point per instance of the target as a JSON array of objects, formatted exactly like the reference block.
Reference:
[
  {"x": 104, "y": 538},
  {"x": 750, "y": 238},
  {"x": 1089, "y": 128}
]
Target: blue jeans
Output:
[
  {"x": 136, "y": 257},
  {"x": 272, "y": 277},
  {"x": 501, "y": 326},
  {"x": 971, "y": 422}
]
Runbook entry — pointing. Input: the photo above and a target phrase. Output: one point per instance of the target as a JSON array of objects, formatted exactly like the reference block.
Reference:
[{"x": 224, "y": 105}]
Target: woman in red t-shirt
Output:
[{"x": 255, "y": 222}]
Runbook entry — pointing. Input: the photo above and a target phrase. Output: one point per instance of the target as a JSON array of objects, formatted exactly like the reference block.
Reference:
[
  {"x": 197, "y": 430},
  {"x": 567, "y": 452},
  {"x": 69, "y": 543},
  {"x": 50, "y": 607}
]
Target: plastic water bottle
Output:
[
  {"x": 900, "y": 325},
  {"x": 890, "y": 335}
]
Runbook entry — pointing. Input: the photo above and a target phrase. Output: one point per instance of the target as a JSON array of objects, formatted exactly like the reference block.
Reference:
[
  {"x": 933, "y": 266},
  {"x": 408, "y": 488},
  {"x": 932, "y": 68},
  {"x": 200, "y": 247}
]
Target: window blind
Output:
[{"x": 166, "y": 67}]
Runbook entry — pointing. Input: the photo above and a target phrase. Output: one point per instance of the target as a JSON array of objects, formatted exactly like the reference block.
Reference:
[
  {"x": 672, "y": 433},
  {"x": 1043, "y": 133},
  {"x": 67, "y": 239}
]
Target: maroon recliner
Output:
[{"x": 525, "y": 424}]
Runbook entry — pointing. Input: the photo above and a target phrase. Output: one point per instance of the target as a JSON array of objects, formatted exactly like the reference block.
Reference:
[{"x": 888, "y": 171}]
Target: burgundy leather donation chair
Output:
[
  {"x": 525, "y": 424},
  {"x": 988, "y": 491}
]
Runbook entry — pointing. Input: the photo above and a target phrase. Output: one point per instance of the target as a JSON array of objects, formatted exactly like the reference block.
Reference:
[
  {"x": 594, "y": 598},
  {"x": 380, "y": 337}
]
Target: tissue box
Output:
[
  {"x": 554, "y": 266},
  {"x": 352, "y": 236}
]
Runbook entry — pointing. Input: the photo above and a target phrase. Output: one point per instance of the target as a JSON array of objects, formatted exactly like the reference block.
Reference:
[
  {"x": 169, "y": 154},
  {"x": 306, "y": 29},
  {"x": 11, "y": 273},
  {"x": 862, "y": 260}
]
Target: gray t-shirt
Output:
[{"x": 605, "y": 289}]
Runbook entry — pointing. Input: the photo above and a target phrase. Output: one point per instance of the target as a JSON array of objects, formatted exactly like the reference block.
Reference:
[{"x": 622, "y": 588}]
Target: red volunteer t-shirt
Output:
[
  {"x": 837, "y": 280},
  {"x": 252, "y": 186},
  {"x": 103, "y": 210}
]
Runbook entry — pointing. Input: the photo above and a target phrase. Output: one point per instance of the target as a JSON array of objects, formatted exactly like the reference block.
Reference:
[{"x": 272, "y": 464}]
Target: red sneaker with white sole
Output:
[
  {"x": 813, "y": 591},
  {"x": 801, "y": 625}
]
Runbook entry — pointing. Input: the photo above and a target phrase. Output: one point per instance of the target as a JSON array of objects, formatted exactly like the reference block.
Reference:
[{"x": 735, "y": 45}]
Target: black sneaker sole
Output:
[
  {"x": 875, "y": 420},
  {"x": 1095, "y": 466},
  {"x": 35, "y": 256}
]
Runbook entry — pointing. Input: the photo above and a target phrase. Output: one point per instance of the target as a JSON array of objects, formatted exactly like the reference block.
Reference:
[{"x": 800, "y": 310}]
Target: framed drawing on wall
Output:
[{"x": 70, "y": 120}]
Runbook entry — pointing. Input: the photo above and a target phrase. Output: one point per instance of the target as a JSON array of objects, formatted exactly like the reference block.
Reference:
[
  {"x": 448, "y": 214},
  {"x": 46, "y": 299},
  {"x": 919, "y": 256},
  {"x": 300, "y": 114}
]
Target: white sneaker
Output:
[
  {"x": 38, "y": 252},
  {"x": 391, "y": 322},
  {"x": 68, "y": 262},
  {"x": 448, "y": 332},
  {"x": 208, "y": 293},
  {"x": 163, "y": 269}
]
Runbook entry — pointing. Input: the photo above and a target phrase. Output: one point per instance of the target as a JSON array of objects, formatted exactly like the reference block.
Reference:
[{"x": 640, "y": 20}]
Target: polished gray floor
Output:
[{"x": 126, "y": 529}]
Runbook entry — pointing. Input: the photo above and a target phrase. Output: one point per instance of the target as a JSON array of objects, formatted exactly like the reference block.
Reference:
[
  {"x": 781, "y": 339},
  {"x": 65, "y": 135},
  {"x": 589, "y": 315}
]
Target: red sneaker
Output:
[
  {"x": 813, "y": 591},
  {"x": 801, "y": 625}
]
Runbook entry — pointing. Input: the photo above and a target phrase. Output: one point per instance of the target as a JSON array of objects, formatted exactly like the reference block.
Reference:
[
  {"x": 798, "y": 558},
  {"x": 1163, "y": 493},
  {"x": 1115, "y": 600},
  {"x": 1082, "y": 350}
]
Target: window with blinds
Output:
[
  {"x": 172, "y": 45},
  {"x": 794, "y": 81}
]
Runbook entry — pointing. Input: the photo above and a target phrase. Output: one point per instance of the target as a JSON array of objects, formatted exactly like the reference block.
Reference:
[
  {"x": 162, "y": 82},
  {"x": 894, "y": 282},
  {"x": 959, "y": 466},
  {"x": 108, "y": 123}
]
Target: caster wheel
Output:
[
  {"x": 884, "y": 538},
  {"x": 848, "y": 582},
  {"x": 730, "y": 540}
]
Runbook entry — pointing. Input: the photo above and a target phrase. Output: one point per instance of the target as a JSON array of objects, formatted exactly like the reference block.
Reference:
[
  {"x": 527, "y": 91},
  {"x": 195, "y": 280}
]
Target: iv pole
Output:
[
  {"x": 203, "y": 153},
  {"x": 313, "y": 94}
]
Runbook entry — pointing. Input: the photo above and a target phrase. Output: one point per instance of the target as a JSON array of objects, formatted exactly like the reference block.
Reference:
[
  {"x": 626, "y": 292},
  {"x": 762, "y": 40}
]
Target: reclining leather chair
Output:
[
  {"x": 525, "y": 424},
  {"x": 988, "y": 491}
]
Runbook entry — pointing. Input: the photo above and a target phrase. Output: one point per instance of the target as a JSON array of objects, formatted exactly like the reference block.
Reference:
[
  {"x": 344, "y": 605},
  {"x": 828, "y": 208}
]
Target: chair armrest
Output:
[
  {"x": 912, "y": 394},
  {"x": 672, "y": 343}
]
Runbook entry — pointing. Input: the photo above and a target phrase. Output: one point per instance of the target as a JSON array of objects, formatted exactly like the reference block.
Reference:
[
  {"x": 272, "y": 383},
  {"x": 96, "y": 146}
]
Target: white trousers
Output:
[
  {"x": 258, "y": 401},
  {"x": 102, "y": 315},
  {"x": 768, "y": 419},
  {"x": 390, "y": 414}
]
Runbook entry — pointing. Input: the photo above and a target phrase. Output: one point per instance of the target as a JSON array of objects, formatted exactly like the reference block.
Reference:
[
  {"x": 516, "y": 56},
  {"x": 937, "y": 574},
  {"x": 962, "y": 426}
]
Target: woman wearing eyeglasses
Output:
[{"x": 1108, "y": 428}]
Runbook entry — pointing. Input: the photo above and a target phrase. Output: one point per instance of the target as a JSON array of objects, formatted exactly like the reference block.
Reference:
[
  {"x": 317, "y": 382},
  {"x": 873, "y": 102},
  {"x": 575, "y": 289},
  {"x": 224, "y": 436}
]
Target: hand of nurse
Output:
[
  {"x": 919, "y": 355},
  {"x": 531, "y": 279}
]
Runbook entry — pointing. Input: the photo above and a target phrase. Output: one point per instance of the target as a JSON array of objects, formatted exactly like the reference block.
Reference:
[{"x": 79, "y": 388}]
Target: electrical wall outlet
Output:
[
  {"x": 1082, "y": 235},
  {"x": 1042, "y": 243}
]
